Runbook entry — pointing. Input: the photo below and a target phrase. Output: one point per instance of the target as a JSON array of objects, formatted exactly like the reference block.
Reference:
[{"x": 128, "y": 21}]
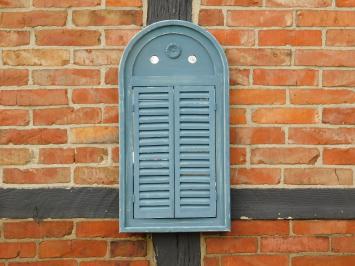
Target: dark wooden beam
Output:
[
  {"x": 174, "y": 249},
  {"x": 261, "y": 204},
  {"x": 169, "y": 9}
]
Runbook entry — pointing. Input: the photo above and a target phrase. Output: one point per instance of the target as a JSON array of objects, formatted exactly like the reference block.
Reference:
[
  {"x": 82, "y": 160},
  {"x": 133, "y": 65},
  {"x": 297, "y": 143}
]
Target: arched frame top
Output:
[{"x": 174, "y": 69}]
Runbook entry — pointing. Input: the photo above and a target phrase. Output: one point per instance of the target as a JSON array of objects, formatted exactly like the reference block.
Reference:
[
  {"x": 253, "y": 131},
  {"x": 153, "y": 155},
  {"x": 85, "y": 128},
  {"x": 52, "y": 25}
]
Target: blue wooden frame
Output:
[{"x": 128, "y": 79}]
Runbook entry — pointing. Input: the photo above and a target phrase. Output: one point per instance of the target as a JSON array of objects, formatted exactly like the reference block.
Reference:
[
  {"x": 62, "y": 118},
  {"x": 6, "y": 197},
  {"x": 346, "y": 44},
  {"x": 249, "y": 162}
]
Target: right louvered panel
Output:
[
  {"x": 195, "y": 191},
  {"x": 153, "y": 152}
]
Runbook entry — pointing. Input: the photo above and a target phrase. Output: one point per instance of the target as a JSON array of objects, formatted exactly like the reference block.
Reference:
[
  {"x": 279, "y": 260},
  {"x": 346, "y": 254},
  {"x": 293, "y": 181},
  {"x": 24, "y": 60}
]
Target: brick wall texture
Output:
[{"x": 292, "y": 74}]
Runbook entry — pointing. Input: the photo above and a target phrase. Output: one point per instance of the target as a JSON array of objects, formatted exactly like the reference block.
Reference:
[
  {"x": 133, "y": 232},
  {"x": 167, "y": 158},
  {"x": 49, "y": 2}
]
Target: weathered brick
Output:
[
  {"x": 111, "y": 76},
  {"x": 286, "y": 77},
  {"x": 237, "y": 156},
  {"x": 257, "y": 96},
  {"x": 66, "y": 77},
  {"x": 95, "y": 96},
  {"x": 115, "y": 263},
  {"x": 323, "y": 227},
  {"x": 294, "y": 244},
  {"x": 211, "y": 17},
  {"x": 14, "y": 3},
  {"x": 13, "y": 117},
  {"x": 339, "y": 116},
  {"x": 128, "y": 248},
  {"x": 325, "y": 260},
  {"x": 345, "y": 244},
  {"x": 325, "y": 18},
  {"x": 66, "y": 115},
  {"x": 285, "y": 116},
  {"x": 341, "y": 37},
  {"x": 318, "y": 176},
  {"x": 14, "y": 38},
  {"x": 345, "y": 3},
  {"x": 255, "y": 176},
  {"x": 67, "y": 37},
  {"x": 339, "y": 78},
  {"x": 46, "y": 263},
  {"x": 96, "y": 175},
  {"x": 211, "y": 261},
  {"x": 107, "y": 17},
  {"x": 231, "y": 2},
  {"x": 97, "y": 57},
  {"x": 33, "y": 136},
  {"x": 284, "y": 155},
  {"x": 65, "y": 3},
  {"x": 330, "y": 58},
  {"x": 33, "y": 19},
  {"x": 234, "y": 37},
  {"x": 290, "y": 37},
  {"x": 339, "y": 156},
  {"x": 237, "y": 116},
  {"x": 119, "y": 37},
  {"x": 257, "y": 135},
  {"x": 42, "y": 229},
  {"x": 90, "y": 155},
  {"x": 258, "y": 228},
  {"x": 56, "y": 155},
  {"x": 230, "y": 245},
  {"x": 33, "y": 97},
  {"x": 104, "y": 229},
  {"x": 13, "y": 77},
  {"x": 94, "y": 135},
  {"x": 124, "y": 3},
  {"x": 72, "y": 248},
  {"x": 36, "y": 57},
  {"x": 322, "y": 96},
  {"x": 239, "y": 76},
  {"x": 110, "y": 114},
  {"x": 322, "y": 136},
  {"x": 13, "y": 156},
  {"x": 299, "y": 3},
  {"x": 17, "y": 250},
  {"x": 258, "y": 57},
  {"x": 36, "y": 175},
  {"x": 115, "y": 154},
  {"x": 259, "y": 18},
  {"x": 248, "y": 260}
]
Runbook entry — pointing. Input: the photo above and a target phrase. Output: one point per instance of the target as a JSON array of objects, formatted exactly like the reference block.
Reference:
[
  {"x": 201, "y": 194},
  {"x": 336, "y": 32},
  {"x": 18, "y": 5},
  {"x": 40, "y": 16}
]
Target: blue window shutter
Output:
[
  {"x": 153, "y": 152},
  {"x": 195, "y": 173}
]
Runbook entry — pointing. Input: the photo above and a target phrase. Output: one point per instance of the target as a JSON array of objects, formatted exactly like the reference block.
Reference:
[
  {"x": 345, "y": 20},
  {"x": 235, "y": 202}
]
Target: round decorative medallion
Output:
[{"x": 173, "y": 50}]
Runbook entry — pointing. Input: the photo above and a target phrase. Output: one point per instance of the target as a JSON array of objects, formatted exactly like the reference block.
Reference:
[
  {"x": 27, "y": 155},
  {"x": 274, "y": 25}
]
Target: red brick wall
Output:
[{"x": 292, "y": 68}]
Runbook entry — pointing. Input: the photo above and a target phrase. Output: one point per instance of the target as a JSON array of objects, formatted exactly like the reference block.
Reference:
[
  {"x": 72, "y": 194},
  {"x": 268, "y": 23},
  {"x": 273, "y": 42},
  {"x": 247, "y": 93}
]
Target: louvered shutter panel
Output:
[
  {"x": 153, "y": 152},
  {"x": 195, "y": 173}
]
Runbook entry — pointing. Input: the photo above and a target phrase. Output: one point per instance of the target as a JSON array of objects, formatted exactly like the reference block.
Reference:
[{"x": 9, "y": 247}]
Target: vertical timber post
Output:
[{"x": 174, "y": 249}]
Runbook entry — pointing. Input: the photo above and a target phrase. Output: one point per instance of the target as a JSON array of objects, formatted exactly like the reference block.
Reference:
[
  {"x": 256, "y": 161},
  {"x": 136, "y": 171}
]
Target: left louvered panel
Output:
[
  {"x": 153, "y": 152},
  {"x": 195, "y": 189}
]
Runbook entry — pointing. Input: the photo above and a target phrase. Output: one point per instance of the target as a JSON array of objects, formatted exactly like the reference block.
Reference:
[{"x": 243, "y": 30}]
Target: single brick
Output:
[
  {"x": 284, "y": 155},
  {"x": 246, "y": 260},
  {"x": 46, "y": 263},
  {"x": 36, "y": 175},
  {"x": 14, "y": 3},
  {"x": 322, "y": 96},
  {"x": 339, "y": 156},
  {"x": 257, "y": 96},
  {"x": 36, "y": 57},
  {"x": 13, "y": 156},
  {"x": 239, "y": 76},
  {"x": 33, "y": 19},
  {"x": 345, "y": 3},
  {"x": 339, "y": 116},
  {"x": 103, "y": 228},
  {"x": 237, "y": 116},
  {"x": 65, "y": 3},
  {"x": 299, "y": 3},
  {"x": 14, "y": 117},
  {"x": 290, "y": 37},
  {"x": 294, "y": 244},
  {"x": 66, "y": 77},
  {"x": 67, "y": 37},
  {"x": 339, "y": 78},
  {"x": 13, "y": 77},
  {"x": 257, "y": 135},
  {"x": 85, "y": 175},
  {"x": 37, "y": 136},
  {"x": 56, "y": 155},
  {"x": 94, "y": 135},
  {"x": 330, "y": 58},
  {"x": 321, "y": 136},
  {"x": 238, "y": 156},
  {"x": 255, "y": 176},
  {"x": 224, "y": 245},
  {"x": 14, "y": 38},
  {"x": 285, "y": 116},
  {"x": 90, "y": 155},
  {"x": 258, "y": 228},
  {"x": 234, "y": 37},
  {"x": 107, "y": 17},
  {"x": 67, "y": 115},
  {"x": 323, "y": 227},
  {"x": 96, "y": 57},
  {"x": 119, "y": 37},
  {"x": 286, "y": 77},
  {"x": 110, "y": 114},
  {"x": 259, "y": 18},
  {"x": 318, "y": 176},
  {"x": 128, "y": 248},
  {"x": 72, "y": 248},
  {"x": 42, "y": 229},
  {"x": 341, "y": 37},
  {"x": 12, "y": 250},
  {"x": 111, "y": 76},
  {"x": 325, "y": 18},
  {"x": 95, "y": 96},
  {"x": 211, "y": 17},
  {"x": 231, "y": 2},
  {"x": 325, "y": 260},
  {"x": 124, "y": 3}
]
